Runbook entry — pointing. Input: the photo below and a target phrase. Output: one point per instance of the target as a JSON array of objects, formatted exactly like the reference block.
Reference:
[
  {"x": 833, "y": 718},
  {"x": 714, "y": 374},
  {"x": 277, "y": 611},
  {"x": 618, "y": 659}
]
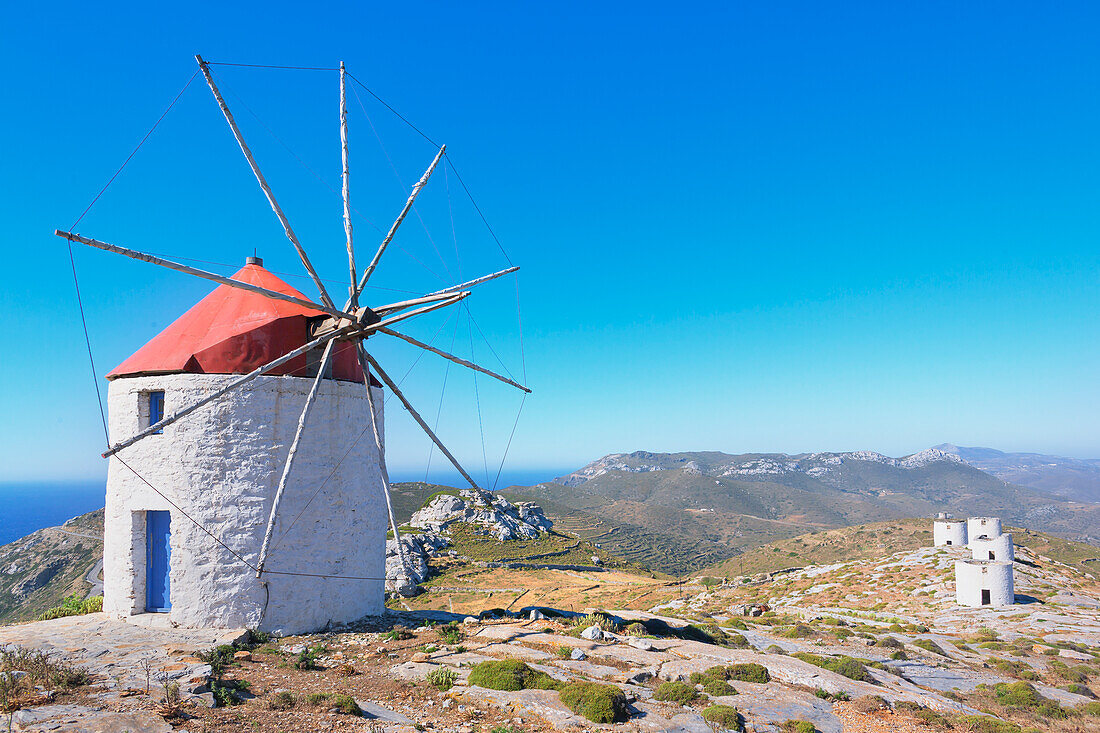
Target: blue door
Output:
[{"x": 158, "y": 531}]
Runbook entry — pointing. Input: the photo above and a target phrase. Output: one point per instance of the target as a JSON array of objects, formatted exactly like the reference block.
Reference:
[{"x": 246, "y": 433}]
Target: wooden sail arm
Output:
[
  {"x": 288, "y": 464},
  {"x": 402, "y": 305},
  {"x": 452, "y": 357},
  {"x": 263, "y": 182},
  {"x": 345, "y": 188},
  {"x": 383, "y": 470},
  {"x": 477, "y": 281},
  {"x": 416, "y": 415},
  {"x": 222, "y": 280},
  {"x": 397, "y": 222},
  {"x": 258, "y": 371}
]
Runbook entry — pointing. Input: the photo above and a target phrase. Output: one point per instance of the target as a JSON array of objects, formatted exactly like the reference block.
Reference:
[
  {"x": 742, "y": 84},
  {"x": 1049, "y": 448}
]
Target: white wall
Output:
[
  {"x": 949, "y": 533},
  {"x": 996, "y": 548},
  {"x": 974, "y": 576},
  {"x": 979, "y": 526},
  {"x": 221, "y": 466}
]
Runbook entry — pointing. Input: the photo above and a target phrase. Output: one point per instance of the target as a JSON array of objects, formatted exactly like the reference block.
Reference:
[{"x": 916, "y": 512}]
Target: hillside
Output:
[
  {"x": 678, "y": 512},
  {"x": 1070, "y": 478},
  {"x": 39, "y": 570}
]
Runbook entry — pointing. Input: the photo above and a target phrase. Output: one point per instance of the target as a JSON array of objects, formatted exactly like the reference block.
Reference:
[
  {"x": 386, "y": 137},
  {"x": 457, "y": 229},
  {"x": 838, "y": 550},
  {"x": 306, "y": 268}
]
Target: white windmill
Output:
[{"x": 219, "y": 446}]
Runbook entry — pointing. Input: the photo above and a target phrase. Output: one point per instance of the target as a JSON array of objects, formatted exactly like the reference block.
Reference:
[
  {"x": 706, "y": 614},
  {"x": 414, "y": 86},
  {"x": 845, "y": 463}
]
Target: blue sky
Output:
[{"x": 743, "y": 227}]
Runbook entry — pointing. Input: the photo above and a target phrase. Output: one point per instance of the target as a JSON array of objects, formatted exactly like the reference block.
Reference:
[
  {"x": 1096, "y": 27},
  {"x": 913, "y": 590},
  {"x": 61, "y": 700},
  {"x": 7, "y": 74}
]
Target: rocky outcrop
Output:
[
  {"x": 495, "y": 515},
  {"x": 498, "y": 516}
]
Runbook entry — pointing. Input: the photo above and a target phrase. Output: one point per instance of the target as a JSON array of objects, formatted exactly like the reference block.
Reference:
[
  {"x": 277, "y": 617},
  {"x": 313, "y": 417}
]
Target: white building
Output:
[
  {"x": 949, "y": 532},
  {"x": 187, "y": 509},
  {"x": 981, "y": 583},
  {"x": 993, "y": 548},
  {"x": 982, "y": 527}
]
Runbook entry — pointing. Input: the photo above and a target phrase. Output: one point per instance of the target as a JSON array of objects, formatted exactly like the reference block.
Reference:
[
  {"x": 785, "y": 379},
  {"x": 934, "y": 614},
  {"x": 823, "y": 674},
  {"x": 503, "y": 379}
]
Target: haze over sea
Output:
[{"x": 28, "y": 506}]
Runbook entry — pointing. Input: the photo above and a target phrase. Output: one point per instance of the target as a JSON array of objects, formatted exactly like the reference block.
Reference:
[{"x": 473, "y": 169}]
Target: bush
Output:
[
  {"x": 451, "y": 634},
  {"x": 737, "y": 641},
  {"x": 282, "y": 700},
  {"x": 930, "y": 646},
  {"x": 1091, "y": 708},
  {"x": 398, "y": 633},
  {"x": 510, "y": 675},
  {"x": 899, "y": 655},
  {"x": 345, "y": 704},
  {"x": 307, "y": 658},
  {"x": 713, "y": 684},
  {"x": 870, "y": 703},
  {"x": 723, "y": 717},
  {"x": 798, "y": 631},
  {"x": 676, "y": 692},
  {"x": 442, "y": 678},
  {"x": 798, "y": 726},
  {"x": 709, "y": 582},
  {"x": 1023, "y": 695},
  {"x": 599, "y": 703},
  {"x": 74, "y": 606},
  {"x": 987, "y": 724},
  {"x": 889, "y": 642},
  {"x": 748, "y": 673},
  {"x": 851, "y": 668},
  {"x": 1079, "y": 689},
  {"x": 636, "y": 629},
  {"x": 597, "y": 618}
]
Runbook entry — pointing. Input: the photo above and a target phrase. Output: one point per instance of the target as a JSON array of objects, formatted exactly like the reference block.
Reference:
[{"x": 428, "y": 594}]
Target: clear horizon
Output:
[{"x": 777, "y": 228}]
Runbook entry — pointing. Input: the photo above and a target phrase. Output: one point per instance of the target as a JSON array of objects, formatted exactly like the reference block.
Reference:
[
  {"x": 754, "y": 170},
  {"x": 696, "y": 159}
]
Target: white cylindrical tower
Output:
[
  {"x": 949, "y": 532},
  {"x": 980, "y": 583},
  {"x": 994, "y": 548},
  {"x": 979, "y": 527},
  {"x": 187, "y": 509}
]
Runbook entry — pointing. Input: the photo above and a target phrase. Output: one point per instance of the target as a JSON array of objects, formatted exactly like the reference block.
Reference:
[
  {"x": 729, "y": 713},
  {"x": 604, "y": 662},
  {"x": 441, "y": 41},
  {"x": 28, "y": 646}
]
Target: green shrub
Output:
[
  {"x": 74, "y": 606},
  {"x": 709, "y": 582},
  {"x": 1079, "y": 689},
  {"x": 636, "y": 629},
  {"x": 889, "y": 642},
  {"x": 724, "y": 717},
  {"x": 735, "y": 623},
  {"x": 798, "y": 726},
  {"x": 282, "y": 700},
  {"x": 713, "y": 685},
  {"x": 599, "y": 703},
  {"x": 707, "y": 634},
  {"x": 307, "y": 658},
  {"x": 798, "y": 631},
  {"x": 597, "y": 618},
  {"x": 676, "y": 692},
  {"x": 345, "y": 704},
  {"x": 398, "y": 633},
  {"x": 1023, "y": 695},
  {"x": 451, "y": 634},
  {"x": 986, "y": 724},
  {"x": 751, "y": 672},
  {"x": 847, "y": 666},
  {"x": 510, "y": 675},
  {"x": 1091, "y": 708},
  {"x": 737, "y": 641},
  {"x": 442, "y": 678},
  {"x": 899, "y": 655},
  {"x": 930, "y": 646}
]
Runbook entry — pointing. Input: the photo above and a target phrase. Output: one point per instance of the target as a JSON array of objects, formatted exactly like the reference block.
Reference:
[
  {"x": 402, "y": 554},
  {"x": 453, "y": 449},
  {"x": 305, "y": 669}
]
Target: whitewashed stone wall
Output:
[
  {"x": 221, "y": 465},
  {"x": 974, "y": 576},
  {"x": 995, "y": 548},
  {"x": 977, "y": 527},
  {"x": 949, "y": 532}
]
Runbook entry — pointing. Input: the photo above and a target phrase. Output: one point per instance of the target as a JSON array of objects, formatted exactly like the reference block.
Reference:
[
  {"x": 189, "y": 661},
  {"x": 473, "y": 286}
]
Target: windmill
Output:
[{"x": 181, "y": 525}]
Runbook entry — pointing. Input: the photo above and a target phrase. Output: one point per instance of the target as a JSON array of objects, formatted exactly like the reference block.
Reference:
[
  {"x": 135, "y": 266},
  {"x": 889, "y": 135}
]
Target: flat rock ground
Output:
[{"x": 867, "y": 610}]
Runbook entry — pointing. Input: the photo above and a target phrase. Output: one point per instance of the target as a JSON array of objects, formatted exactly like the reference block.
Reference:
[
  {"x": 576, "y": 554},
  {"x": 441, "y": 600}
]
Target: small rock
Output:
[
  {"x": 469, "y": 620},
  {"x": 536, "y": 615},
  {"x": 243, "y": 656},
  {"x": 577, "y": 654},
  {"x": 447, "y": 703},
  {"x": 643, "y": 644},
  {"x": 296, "y": 649},
  {"x": 593, "y": 633},
  {"x": 639, "y": 678}
]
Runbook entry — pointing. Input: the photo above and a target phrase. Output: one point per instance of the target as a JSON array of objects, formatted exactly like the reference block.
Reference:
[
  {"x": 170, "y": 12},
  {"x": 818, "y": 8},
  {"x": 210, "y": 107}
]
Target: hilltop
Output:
[
  {"x": 1070, "y": 478},
  {"x": 678, "y": 512}
]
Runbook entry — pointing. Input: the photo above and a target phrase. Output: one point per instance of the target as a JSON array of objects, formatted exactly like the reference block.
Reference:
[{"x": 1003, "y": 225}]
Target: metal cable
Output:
[{"x": 134, "y": 151}]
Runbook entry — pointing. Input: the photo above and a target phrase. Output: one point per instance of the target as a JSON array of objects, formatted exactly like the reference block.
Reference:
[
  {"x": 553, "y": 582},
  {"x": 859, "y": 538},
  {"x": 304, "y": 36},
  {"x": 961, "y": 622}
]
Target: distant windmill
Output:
[{"x": 193, "y": 508}]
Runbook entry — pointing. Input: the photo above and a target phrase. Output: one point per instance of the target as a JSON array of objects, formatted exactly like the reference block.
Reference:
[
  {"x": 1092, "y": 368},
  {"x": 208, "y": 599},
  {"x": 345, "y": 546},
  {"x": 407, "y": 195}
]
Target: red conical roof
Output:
[{"x": 233, "y": 331}]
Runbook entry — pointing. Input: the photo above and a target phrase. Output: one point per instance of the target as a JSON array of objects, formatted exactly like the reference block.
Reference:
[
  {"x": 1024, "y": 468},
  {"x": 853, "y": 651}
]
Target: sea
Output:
[{"x": 29, "y": 506}]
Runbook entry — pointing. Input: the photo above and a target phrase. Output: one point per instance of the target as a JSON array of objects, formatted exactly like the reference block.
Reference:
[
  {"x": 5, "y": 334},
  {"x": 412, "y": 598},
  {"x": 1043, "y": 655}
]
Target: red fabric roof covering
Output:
[{"x": 233, "y": 331}]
